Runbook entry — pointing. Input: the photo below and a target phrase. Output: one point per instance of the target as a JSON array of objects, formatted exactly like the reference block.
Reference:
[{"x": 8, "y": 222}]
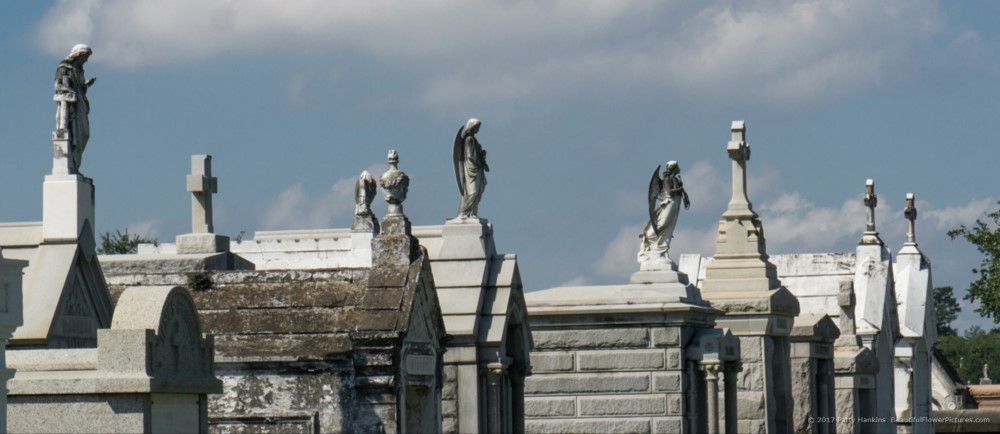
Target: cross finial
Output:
[
  {"x": 739, "y": 152},
  {"x": 871, "y": 201},
  {"x": 202, "y": 186},
  {"x": 910, "y": 212}
]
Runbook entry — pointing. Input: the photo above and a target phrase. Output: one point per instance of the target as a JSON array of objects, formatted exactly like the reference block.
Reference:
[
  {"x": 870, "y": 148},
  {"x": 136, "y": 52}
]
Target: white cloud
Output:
[
  {"x": 691, "y": 240},
  {"x": 146, "y": 228},
  {"x": 704, "y": 184},
  {"x": 576, "y": 281},
  {"x": 951, "y": 217},
  {"x": 295, "y": 209},
  {"x": 619, "y": 258},
  {"x": 506, "y": 50},
  {"x": 793, "y": 224}
]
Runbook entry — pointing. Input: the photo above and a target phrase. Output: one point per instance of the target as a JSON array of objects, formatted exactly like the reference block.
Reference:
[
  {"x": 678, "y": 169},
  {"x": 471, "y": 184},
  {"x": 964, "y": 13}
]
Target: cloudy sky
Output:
[{"x": 579, "y": 99}]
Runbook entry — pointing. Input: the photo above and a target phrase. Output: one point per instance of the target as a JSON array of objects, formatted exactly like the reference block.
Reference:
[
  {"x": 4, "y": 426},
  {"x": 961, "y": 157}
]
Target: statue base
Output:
[
  {"x": 67, "y": 206},
  {"x": 365, "y": 223},
  {"x": 202, "y": 243},
  {"x": 646, "y": 277},
  {"x": 466, "y": 221},
  {"x": 466, "y": 238}
]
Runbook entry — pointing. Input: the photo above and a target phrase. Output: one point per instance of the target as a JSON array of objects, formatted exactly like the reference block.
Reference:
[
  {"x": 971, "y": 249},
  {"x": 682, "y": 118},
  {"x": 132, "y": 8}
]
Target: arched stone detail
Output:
[{"x": 178, "y": 346}]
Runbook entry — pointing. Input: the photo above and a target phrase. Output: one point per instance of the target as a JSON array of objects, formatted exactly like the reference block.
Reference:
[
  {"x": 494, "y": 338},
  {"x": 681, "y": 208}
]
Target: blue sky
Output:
[{"x": 579, "y": 100}]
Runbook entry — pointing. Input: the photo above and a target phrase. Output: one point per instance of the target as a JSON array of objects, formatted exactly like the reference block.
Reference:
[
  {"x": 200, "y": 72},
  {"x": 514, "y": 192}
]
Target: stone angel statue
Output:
[
  {"x": 364, "y": 194},
  {"x": 656, "y": 236},
  {"x": 470, "y": 168}
]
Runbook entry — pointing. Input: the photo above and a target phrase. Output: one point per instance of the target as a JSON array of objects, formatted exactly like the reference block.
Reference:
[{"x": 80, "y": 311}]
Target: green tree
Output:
[
  {"x": 946, "y": 309},
  {"x": 119, "y": 243},
  {"x": 967, "y": 354},
  {"x": 986, "y": 289}
]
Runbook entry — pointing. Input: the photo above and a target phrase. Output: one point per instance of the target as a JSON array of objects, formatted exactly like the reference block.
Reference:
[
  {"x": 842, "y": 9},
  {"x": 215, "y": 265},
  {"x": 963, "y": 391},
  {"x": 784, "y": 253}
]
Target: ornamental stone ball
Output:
[
  {"x": 395, "y": 184},
  {"x": 470, "y": 168}
]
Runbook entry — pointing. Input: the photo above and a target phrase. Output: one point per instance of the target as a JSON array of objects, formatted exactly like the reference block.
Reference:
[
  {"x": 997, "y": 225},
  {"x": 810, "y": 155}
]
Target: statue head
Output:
[
  {"x": 472, "y": 126},
  {"x": 672, "y": 168},
  {"x": 78, "y": 51}
]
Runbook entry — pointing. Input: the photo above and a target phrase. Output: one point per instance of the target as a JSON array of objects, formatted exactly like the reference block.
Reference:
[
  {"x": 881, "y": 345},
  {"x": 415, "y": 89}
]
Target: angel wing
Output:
[
  {"x": 655, "y": 185},
  {"x": 458, "y": 157},
  {"x": 364, "y": 192},
  {"x": 359, "y": 192}
]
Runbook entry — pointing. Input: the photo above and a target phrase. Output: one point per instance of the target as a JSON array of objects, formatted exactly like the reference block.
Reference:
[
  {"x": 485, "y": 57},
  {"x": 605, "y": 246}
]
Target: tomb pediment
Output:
[{"x": 65, "y": 296}]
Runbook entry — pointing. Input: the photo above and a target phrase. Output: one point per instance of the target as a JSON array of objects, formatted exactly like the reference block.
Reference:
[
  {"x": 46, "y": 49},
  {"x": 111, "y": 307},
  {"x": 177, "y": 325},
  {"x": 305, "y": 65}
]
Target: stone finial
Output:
[
  {"x": 395, "y": 184},
  {"x": 741, "y": 262},
  {"x": 202, "y": 186},
  {"x": 910, "y": 212},
  {"x": 871, "y": 201},
  {"x": 739, "y": 151},
  {"x": 395, "y": 244},
  {"x": 364, "y": 194}
]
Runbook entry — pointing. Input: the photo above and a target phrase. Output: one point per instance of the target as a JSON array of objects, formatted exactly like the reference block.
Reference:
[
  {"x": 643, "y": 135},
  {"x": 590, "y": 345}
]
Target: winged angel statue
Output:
[
  {"x": 658, "y": 232},
  {"x": 470, "y": 168}
]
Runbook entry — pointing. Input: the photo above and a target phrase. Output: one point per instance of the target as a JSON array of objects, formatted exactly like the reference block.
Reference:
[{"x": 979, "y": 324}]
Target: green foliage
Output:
[
  {"x": 946, "y": 309},
  {"x": 967, "y": 354},
  {"x": 120, "y": 243},
  {"x": 986, "y": 289},
  {"x": 199, "y": 281}
]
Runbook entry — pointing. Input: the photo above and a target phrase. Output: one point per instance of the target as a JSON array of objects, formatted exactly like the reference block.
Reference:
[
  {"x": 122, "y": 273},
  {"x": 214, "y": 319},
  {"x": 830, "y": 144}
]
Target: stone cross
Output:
[
  {"x": 871, "y": 201},
  {"x": 911, "y": 216},
  {"x": 739, "y": 152},
  {"x": 202, "y": 186}
]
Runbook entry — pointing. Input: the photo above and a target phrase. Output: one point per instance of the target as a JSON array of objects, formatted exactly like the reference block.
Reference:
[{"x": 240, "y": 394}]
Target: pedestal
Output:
[
  {"x": 202, "y": 243},
  {"x": 67, "y": 204},
  {"x": 466, "y": 238}
]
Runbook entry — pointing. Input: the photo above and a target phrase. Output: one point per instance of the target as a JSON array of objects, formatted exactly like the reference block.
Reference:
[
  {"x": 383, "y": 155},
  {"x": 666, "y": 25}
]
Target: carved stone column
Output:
[
  {"x": 498, "y": 398},
  {"x": 729, "y": 395},
  {"x": 712, "y": 386}
]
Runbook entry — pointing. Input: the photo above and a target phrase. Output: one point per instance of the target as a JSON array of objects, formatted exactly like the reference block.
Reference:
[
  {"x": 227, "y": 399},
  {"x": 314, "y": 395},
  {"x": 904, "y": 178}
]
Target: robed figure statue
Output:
[
  {"x": 73, "y": 108},
  {"x": 656, "y": 236},
  {"x": 470, "y": 168}
]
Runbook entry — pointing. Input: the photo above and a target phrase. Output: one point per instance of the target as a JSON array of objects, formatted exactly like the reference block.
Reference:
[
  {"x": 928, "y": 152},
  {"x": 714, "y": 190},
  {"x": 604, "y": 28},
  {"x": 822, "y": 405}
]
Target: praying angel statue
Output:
[
  {"x": 656, "y": 236},
  {"x": 470, "y": 168}
]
